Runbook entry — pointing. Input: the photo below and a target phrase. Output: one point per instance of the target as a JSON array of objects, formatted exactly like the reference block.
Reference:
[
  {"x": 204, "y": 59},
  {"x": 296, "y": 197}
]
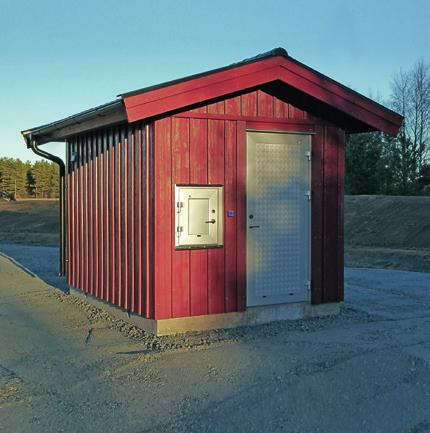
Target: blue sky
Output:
[{"x": 60, "y": 57}]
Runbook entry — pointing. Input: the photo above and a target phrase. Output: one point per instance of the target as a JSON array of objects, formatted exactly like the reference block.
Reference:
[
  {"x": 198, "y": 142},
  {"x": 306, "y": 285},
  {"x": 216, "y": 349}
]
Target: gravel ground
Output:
[
  {"x": 388, "y": 258},
  {"x": 66, "y": 366}
]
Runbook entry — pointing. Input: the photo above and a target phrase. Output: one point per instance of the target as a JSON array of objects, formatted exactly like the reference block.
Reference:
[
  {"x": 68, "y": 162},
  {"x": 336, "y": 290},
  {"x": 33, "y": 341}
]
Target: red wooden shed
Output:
[{"x": 214, "y": 200}]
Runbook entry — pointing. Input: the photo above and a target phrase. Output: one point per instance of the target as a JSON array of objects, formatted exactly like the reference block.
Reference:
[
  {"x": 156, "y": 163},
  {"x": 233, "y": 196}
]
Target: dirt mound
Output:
[
  {"x": 29, "y": 221},
  {"x": 370, "y": 221},
  {"x": 387, "y": 221}
]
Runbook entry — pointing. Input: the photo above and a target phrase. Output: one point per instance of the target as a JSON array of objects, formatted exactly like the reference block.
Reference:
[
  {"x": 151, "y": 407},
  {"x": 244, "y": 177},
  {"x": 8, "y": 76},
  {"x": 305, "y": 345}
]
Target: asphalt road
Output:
[{"x": 68, "y": 367}]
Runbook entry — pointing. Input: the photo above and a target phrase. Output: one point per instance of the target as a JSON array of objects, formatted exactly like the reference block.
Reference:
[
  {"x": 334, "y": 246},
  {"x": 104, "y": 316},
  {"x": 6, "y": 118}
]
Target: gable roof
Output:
[{"x": 274, "y": 66}]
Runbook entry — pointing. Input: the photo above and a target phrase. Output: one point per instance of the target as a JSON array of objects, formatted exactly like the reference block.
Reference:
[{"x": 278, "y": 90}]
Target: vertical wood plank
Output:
[
  {"x": 75, "y": 264},
  {"x": 241, "y": 215},
  {"x": 340, "y": 241},
  {"x": 124, "y": 211},
  {"x": 78, "y": 215},
  {"x": 82, "y": 216},
  {"x": 96, "y": 218},
  {"x": 230, "y": 222},
  {"x": 216, "y": 286},
  {"x": 264, "y": 104},
  {"x": 105, "y": 193},
  {"x": 163, "y": 212},
  {"x": 96, "y": 222},
  {"x": 118, "y": 220},
  {"x": 249, "y": 104},
  {"x": 100, "y": 184},
  {"x": 198, "y": 148},
  {"x": 100, "y": 277},
  {"x": 291, "y": 112},
  {"x": 198, "y": 258},
  {"x": 232, "y": 106},
  {"x": 202, "y": 109},
  {"x": 92, "y": 226},
  {"x": 140, "y": 224},
  {"x": 85, "y": 216},
  {"x": 98, "y": 287},
  {"x": 92, "y": 258},
  {"x": 280, "y": 109},
  {"x": 294, "y": 112},
  {"x": 132, "y": 250},
  {"x": 216, "y": 108},
  {"x": 198, "y": 282},
  {"x": 88, "y": 216},
  {"x": 180, "y": 258},
  {"x": 112, "y": 219},
  {"x": 331, "y": 223},
  {"x": 317, "y": 215},
  {"x": 149, "y": 213},
  {"x": 88, "y": 221}
]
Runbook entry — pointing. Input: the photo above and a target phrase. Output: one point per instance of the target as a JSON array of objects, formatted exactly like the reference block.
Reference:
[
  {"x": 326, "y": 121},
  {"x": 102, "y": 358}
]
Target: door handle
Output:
[
  {"x": 212, "y": 221},
  {"x": 254, "y": 227}
]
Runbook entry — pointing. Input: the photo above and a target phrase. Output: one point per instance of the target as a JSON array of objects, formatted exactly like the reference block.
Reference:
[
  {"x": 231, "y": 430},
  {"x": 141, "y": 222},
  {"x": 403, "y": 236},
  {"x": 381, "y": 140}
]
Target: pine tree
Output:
[{"x": 364, "y": 163}]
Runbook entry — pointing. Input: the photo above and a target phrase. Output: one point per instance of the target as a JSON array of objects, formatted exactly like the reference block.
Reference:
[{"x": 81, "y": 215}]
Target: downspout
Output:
[{"x": 62, "y": 189}]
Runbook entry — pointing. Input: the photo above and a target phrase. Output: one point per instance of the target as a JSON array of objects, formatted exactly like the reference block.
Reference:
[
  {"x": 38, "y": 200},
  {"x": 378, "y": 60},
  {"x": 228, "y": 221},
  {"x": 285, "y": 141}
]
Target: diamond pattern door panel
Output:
[{"x": 278, "y": 208}]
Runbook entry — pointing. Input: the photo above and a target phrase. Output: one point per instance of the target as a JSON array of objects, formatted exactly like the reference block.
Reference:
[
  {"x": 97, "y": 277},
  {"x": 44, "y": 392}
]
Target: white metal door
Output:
[{"x": 278, "y": 217}]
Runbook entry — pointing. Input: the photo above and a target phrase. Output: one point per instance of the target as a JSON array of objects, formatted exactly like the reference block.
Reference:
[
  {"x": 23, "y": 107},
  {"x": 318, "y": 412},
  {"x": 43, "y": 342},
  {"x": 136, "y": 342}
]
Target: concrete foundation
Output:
[{"x": 252, "y": 316}]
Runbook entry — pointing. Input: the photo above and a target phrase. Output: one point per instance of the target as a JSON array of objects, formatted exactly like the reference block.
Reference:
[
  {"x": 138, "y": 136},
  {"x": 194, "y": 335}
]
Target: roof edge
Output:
[
  {"x": 94, "y": 117},
  {"x": 345, "y": 87}
]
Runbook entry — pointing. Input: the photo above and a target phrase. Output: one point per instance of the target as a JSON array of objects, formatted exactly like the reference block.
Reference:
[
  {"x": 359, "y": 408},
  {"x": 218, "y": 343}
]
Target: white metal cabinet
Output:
[{"x": 199, "y": 216}]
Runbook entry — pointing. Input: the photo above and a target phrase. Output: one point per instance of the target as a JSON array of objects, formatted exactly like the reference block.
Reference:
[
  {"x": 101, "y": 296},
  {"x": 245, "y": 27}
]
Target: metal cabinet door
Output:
[
  {"x": 278, "y": 217},
  {"x": 199, "y": 216}
]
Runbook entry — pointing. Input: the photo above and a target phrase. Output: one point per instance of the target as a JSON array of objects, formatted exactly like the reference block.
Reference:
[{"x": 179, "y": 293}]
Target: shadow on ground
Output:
[{"x": 41, "y": 260}]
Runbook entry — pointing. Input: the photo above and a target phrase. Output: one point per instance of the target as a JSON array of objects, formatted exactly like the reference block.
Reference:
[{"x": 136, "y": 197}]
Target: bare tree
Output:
[
  {"x": 421, "y": 111},
  {"x": 411, "y": 98}
]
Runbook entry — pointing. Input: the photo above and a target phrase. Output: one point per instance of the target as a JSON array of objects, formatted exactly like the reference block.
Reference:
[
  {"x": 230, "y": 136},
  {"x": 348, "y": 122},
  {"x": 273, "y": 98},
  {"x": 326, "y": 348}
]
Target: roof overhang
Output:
[
  {"x": 103, "y": 115},
  {"x": 190, "y": 91}
]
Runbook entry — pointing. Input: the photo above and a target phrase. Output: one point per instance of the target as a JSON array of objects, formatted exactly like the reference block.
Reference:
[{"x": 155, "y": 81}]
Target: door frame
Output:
[{"x": 276, "y": 128}]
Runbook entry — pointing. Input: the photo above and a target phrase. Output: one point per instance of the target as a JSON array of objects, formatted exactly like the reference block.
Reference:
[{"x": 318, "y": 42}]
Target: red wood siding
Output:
[
  {"x": 328, "y": 150},
  {"x": 208, "y": 145},
  {"x": 122, "y": 178},
  {"x": 106, "y": 216},
  {"x": 201, "y": 281},
  {"x": 241, "y": 214},
  {"x": 230, "y": 200},
  {"x": 339, "y": 289},
  {"x": 193, "y": 282},
  {"x": 331, "y": 218},
  {"x": 253, "y": 104},
  {"x": 317, "y": 177},
  {"x": 198, "y": 258}
]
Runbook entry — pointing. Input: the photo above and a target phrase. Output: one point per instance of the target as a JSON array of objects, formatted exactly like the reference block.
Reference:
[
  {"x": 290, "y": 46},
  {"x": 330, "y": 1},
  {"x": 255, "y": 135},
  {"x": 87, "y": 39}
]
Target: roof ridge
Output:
[{"x": 278, "y": 51}]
